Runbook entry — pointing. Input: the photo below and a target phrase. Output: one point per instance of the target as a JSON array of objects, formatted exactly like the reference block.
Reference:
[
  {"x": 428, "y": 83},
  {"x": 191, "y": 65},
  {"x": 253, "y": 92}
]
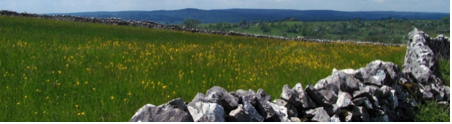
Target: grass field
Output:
[{"x": 67, "y": 71}]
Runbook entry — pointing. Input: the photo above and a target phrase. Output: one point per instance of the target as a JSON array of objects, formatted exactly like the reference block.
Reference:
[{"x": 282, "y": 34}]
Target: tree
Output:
[
  {"x": 446, "y": 20},
  {"x": 265, "y": 28},
  {"x": 191, "y": 23},
  {"x": 243, "y": 24}
]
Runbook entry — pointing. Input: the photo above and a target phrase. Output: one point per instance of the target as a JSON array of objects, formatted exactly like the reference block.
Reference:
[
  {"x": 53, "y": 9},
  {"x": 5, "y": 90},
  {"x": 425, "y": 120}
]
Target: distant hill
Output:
[{"x": 236, "y": 15}]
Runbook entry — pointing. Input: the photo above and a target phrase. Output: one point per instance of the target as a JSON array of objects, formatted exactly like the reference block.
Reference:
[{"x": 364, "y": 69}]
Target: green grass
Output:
[
  {"x": 444, "y": 66},
  {"x": 432, "y": 112},
  {"x": 68, "y": 71}
]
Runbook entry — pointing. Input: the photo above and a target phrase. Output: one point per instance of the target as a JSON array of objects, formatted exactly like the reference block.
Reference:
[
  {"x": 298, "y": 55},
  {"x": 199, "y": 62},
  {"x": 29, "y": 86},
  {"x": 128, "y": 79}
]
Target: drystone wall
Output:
[
  {"x": 154, "y": 25},
  {"x": 379, "y": 92}
]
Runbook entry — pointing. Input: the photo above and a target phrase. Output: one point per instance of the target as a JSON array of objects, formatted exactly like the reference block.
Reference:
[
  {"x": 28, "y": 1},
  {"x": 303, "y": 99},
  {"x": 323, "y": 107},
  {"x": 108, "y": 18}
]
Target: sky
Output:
[{"x": 67, "y": 6}]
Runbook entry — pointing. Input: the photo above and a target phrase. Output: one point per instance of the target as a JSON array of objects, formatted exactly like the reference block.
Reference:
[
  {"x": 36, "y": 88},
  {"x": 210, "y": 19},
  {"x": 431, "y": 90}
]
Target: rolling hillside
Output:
[{"x": 236, "y": 15}]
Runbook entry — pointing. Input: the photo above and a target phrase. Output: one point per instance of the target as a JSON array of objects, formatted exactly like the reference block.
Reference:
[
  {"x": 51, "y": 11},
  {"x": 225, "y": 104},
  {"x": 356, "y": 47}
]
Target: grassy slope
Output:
[{"x": 68, "y": 71}]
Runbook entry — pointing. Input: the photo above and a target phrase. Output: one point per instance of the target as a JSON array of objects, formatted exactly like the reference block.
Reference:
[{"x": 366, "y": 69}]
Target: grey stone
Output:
[
  {"x": 289, "y": 95},
  {"x": 246, "y": 113},
  {"x": 361, "y": 93},
  {"x": 437, "y": 91},
  {"x": 175, "y": 103},
  {"x": 420, "y": 60},
  {"x": 335, "y": 118},
  {"x": 303, "y": 98},
  {"x": 321, "y": 115},
  {"x": 394, "y": 101},
  {"x": 295, "y": 119},
  {"x": 262, "y": 96},
  {"x": 172, "y": 111},
  {"x": 352, "y": 84},
  {"x": 308, "y": 113},
  {"x": 198, "y": 97},
  {"x": 377, "y": 79},
  {"x": 292, "y": 111},
  {"x": 373, "y": 90},
  {"x": 359, "y": 100},
  {"x": 367, "y": 104},
  {"x": 375, "y": 102},
  {"x": 266, "y": 111},
  {"x": 332, "y": 109},
  {"x": 427, "y": 95},
  {"x": 331, "y": 83},
  {"x": 328, "y": 97},
  {"x": 280, "y": 102},
  {"x": 385, "y": 91},
  {"x": 348, "y": 116},
  {"x": 361, "y": 113},
  {"x": 260, "y": 102},
  {"x": 315, "y": 96},
  {"x": 206, "y": 112},
  {"x": 222, "y": 98},
  {"x": 281, "y": 112},
  {"x": 344, "y": 99}
]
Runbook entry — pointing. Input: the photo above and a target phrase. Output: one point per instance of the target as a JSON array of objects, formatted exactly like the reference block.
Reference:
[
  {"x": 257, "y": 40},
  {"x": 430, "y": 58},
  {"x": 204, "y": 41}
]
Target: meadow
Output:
[{"x": 69, "y": 71}]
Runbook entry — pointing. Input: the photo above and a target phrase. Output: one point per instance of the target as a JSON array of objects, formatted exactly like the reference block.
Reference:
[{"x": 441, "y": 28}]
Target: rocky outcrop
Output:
[{"x": 381, "y": 91}]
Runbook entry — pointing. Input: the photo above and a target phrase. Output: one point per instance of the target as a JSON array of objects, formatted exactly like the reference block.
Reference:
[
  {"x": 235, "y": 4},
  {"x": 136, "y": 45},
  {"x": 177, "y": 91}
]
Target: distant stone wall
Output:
[
  {"x": 379, "y": 92},
  {"x": 150, "y": 24}
]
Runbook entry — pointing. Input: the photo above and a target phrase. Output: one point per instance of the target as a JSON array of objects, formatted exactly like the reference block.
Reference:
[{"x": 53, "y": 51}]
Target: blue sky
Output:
[{"x": 65, "y": 6}]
